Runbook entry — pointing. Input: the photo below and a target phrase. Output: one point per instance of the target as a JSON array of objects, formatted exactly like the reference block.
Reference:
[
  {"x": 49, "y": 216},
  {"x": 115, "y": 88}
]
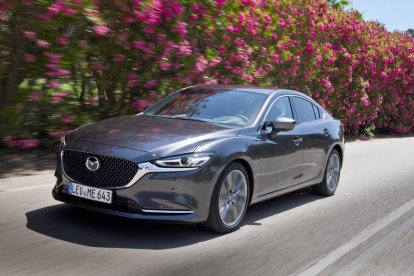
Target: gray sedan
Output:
[{"x": 202, "y": 155}]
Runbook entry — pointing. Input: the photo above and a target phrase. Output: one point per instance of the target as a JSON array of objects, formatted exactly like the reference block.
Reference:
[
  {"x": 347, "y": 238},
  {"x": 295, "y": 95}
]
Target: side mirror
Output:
[{"x": 283, "y": 123}]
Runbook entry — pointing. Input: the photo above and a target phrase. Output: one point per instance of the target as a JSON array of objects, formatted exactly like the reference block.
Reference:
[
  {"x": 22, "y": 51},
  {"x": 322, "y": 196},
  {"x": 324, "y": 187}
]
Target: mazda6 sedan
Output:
[{"x": 202, "y": 155}]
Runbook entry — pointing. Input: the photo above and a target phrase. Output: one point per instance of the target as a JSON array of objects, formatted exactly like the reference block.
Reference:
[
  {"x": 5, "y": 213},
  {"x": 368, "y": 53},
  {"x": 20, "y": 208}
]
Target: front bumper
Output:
[{"x": 180, "y": 196}]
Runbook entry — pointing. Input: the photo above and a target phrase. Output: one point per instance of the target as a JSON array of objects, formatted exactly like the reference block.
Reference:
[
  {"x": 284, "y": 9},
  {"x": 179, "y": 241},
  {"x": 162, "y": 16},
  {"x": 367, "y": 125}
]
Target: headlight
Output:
[{"x": 192, "y": 160}]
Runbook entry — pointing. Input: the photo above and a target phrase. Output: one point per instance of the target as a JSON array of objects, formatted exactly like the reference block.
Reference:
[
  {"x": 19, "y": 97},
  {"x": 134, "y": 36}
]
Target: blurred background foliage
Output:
[{"x": 70, "y": 62}]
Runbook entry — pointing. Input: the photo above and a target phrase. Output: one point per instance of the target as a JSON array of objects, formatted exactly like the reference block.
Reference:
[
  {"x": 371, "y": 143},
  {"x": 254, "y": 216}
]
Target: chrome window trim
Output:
[
  {"x": 143, "y": 169},
  {"x": 158, "y": 211},
  {"x": 314, "y": 103},
  {"x": 298, "y": 96},
  {"x": 263, "y": 110},
  {"x": 264, "y": 132},
  {"x": 271, "y": 105}
]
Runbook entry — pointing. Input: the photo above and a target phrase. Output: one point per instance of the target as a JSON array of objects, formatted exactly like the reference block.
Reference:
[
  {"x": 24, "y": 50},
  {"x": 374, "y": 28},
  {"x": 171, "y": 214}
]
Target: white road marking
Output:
[
  {"x": 362, "y": 260},
  {"x": 318, "y": 266}
]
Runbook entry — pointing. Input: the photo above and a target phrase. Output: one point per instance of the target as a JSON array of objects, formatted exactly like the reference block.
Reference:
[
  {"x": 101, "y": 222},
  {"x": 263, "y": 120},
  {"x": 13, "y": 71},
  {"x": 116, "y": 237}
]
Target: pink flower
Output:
[
  {"x": 53, "y": 58},
  {"x": 326, "y": 83},
  {"x": 150, "y": 84},
  {"x": 59, "y": 97},
  {"x": 269, "y": 67},
  {"x": 221, "y": 49},
  {"x": 62, "y": 94},
  {"x": 28, "y": 143},
  {"x": 214, "y": 62},
  {"x": 164, "y": 65},
  {"x": 29, "y": 35},
  {"x": 139, "y": 44},
  {"x": 70, "y": 12},
  {"x": 43, "y": 44},
  {"x": 132, "y": 76},
  {"x": 62, "y": 41},
  {"x": 139, "y": 104},
  {"x": 62, "y": 72},
  {"x": 118, "y": 58},
  {"x": 233, "y": 29},
  {"x": 57, "y": 134},
  {"x": 201, "y": 64},
  {"x": 365, "y": 101},
  {"x": 67, "y": 119},
  {"x": 35, "y": 96},
  {"x": 132, "y": 83},
  {"x": 185, "y": 49},
  {"x": 181, "y": 28},
  {"x": 101, "y": 30},
  {"x": 220, "y": 3},
  {"x": 29, "y": 58},
  {"x": 15, "y": 142},
  {"x": 318, "y": 58},
  {"x": 54, "y": 84},
  {"x": 211, "y": 82}
]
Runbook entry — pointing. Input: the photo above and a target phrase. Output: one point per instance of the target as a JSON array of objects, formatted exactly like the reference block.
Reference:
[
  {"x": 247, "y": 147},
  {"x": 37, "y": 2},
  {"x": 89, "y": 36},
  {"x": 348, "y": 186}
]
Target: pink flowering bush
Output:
[{"x": 64, "y": 63}]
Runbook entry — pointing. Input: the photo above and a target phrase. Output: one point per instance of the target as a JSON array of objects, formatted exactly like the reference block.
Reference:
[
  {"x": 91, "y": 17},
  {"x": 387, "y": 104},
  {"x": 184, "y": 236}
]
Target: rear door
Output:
[{"x": 316, "y": 137}]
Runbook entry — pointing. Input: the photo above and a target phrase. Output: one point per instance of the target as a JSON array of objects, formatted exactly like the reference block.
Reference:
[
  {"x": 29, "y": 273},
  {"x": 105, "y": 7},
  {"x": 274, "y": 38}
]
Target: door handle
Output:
[
  {"x": 326, "y": 131},
  {"x": 297, "y": 141}
]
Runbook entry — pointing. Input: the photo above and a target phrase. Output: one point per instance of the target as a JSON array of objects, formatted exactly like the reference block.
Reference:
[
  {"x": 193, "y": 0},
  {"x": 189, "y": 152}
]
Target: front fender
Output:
[{"x": 236, "y": 148}]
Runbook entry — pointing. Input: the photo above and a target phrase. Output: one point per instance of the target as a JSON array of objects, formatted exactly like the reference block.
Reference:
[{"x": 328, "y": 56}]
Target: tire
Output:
[
  {"x": 230, "y": 200},
  {"x": 331, "y": 176}
]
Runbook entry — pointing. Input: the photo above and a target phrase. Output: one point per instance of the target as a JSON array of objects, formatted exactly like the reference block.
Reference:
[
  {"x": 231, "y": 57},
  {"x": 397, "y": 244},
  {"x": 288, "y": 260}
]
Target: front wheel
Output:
[
  {"x": 331, "y": 178},
  {"x": 230, "y": 200}
]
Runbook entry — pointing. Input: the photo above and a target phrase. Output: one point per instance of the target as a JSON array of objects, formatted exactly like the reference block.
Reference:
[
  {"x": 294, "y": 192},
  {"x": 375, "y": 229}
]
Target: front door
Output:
[{"x": 282, "y": 152}]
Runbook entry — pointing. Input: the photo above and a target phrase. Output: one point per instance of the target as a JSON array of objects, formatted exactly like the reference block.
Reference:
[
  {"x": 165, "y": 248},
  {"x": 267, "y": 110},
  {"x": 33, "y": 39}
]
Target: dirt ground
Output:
[{"x": 28, "y": 162}]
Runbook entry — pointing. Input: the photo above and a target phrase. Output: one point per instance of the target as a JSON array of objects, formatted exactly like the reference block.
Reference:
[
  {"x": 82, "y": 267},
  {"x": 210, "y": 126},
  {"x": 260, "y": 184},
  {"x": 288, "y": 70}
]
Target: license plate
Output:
[{"x": 91, "y": 193}]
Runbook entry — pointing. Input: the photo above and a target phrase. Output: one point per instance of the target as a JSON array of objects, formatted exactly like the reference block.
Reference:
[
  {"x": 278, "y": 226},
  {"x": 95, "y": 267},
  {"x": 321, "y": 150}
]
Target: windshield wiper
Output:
[
  {"x": 185, "y": 117},
  {"x": 180, "y": 117}
]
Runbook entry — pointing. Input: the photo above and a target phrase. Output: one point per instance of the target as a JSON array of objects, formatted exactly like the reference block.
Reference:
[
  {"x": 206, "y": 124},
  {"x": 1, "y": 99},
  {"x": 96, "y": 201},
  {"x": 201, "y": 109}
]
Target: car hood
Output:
[{"x": 159, "y": 136}]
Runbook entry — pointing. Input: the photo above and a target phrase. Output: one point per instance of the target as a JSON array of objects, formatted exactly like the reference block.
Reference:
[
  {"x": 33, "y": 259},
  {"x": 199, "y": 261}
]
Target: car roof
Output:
[
  {"x": 257, "y": 89},
  {"x": 241, "y": 88}
]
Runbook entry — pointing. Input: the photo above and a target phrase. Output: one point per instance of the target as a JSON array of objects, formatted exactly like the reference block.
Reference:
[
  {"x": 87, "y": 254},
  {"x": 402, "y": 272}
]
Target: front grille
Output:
[{"x": 113, "y": 172}]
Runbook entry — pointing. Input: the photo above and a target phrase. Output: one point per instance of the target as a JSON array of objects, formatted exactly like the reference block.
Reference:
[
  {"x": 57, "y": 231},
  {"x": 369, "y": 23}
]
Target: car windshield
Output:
[{"x": 224, "y": 106}]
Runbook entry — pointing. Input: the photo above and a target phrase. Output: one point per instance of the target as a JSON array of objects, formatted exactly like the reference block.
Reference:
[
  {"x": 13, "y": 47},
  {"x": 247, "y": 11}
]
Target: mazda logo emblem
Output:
[{"x": 92, "y": 163}]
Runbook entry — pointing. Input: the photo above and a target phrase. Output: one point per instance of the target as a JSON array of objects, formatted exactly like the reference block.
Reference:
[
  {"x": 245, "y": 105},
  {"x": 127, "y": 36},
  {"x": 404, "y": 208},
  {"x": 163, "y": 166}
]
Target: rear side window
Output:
[
  {"x": 281, "y": 108},
  {"x": 304, "y": 109}
]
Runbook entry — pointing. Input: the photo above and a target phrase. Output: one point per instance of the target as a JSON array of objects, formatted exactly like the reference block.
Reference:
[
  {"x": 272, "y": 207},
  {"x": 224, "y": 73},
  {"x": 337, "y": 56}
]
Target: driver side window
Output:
[{"x": 281, "y": 108}]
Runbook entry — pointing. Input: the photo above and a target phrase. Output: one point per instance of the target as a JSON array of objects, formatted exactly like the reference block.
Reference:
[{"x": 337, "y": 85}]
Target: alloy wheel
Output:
[
  {"x": 332, "y": 174},
  {"x": 233, "y": 198}
]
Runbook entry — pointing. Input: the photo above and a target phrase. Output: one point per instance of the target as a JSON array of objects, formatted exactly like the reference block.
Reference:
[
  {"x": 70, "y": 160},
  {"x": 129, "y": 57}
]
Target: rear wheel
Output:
[
  {"x": 331, "y": 178},
  {"x": 230, "y": 199}
]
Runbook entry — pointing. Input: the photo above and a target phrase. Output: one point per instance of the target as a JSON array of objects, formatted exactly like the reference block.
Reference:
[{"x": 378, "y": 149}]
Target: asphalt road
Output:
[{"x": 367, "y": 228}]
